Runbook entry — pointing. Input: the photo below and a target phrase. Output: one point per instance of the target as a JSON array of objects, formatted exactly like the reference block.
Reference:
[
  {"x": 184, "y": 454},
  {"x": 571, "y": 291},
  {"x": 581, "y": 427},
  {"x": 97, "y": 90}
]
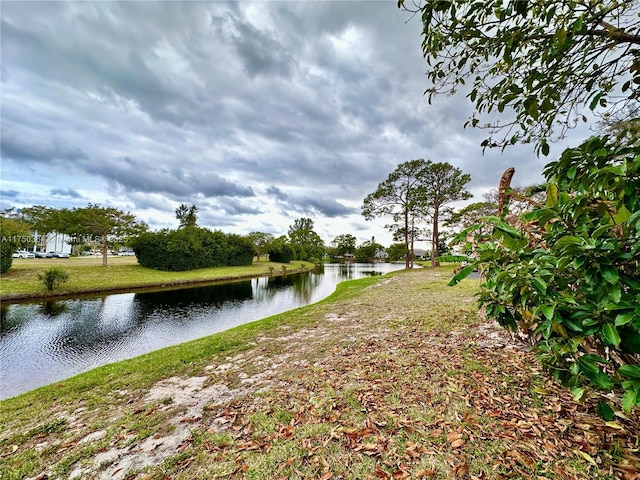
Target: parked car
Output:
[
  {"x": 57, "y": 255},
  {"x": 41, "y": 254},
  {"x": 23, "y": 254}
]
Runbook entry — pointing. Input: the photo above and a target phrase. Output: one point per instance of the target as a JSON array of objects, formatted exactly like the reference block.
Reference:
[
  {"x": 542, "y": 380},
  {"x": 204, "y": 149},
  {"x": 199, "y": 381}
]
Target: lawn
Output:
[
  {"x": 392, "y": 377},
  {"x": 87, "y": 275}
]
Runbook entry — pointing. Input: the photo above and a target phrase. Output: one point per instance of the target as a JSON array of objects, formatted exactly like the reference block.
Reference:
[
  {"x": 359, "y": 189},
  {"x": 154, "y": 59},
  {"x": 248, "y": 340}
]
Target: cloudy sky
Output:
[{"x": 258, "y": 113}]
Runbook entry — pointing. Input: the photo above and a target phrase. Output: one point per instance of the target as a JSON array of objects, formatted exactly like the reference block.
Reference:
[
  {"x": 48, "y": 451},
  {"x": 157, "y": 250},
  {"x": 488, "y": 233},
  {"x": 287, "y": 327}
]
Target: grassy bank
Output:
[
  {"x": 390, "y": 377},
  {"x": 87, "y": 275}
]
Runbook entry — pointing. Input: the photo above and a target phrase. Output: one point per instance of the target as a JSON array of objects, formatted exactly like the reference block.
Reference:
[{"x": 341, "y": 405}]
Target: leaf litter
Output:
[{"x": 403, "y": 381}]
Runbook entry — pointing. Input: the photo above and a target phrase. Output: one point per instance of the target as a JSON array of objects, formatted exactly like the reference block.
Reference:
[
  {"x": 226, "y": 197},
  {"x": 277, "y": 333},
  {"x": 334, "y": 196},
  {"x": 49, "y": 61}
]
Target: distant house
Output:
[
  {"x": 51, "y": 242},
  {"x": 419, "y": 253},
  {"x": 381, "y": 254}
]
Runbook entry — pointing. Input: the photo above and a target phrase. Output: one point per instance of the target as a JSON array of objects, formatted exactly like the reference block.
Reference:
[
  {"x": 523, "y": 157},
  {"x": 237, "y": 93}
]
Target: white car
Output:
[
  {"x": 23, "y": 254},
  {"x": 57, "y": 255}
]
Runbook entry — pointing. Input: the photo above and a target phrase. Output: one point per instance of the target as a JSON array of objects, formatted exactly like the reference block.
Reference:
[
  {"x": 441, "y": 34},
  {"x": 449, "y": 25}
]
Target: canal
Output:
[{"x": 44, "y": 342}]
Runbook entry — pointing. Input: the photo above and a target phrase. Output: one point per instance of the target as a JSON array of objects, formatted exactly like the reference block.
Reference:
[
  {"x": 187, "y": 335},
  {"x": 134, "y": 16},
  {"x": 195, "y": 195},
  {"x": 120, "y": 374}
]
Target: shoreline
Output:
[
  {"x": 154, "y": 286},
  {"x": 89, "y": 278}
]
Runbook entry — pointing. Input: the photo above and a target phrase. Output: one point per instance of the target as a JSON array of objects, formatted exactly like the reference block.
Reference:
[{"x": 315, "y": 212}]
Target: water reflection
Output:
[
  {"x": 53, "y": 308},
  {"x": 44, "y": 342}
]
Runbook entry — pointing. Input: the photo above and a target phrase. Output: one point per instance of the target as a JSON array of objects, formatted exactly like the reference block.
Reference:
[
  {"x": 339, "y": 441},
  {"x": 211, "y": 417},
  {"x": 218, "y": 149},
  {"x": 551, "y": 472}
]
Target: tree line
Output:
[{"x": 94, "y": 225}]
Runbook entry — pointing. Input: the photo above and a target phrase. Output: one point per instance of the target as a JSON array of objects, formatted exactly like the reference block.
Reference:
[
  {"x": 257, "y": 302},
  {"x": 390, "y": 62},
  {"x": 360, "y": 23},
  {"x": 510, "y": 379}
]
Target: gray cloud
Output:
[
  {"x": 256, "y": 112},
  {"x": 135, "y": 176},
  {"x": 14, "y": 147},
  {"x": 9, "y": 194},
  {"x": 65, "y": 192},
  {"x": 258, "y": 50},
  {"x": 309, "y": 205}
]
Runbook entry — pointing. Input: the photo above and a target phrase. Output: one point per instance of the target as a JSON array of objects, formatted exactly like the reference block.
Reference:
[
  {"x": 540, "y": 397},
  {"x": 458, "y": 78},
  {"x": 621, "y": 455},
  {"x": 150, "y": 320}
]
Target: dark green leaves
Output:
[
  {"x": 569, "y": 276},
  {"x": 535, "y": 63},
  {"x": 604, "y": 411}
]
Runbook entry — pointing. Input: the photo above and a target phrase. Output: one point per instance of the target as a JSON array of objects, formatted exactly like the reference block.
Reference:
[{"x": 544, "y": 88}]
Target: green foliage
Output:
[
  {"x": 85, "y": 225},
  {"x": 397, "y": 251},
  {"x": 100, "y": 223},
  {"x": 191, "y": 248},
  {"x": 413, "y": 194},
  {"x": 471, "y": 214},
  {"x": 535, "y": 63},
  {"x": 15, "y": 235},
  {"x": 400, "y": 196},
  {"x": 305, "y": 242},
  {"x": 261, "y": 242},
  {"x": 367, "y": 251},
  {"x": 187, "y": 215},
  {"x": 53, "y": 277},
  {"x": 567, "y": 274},
  {"x": 6, "y": 250},
  {"x": 342, "y": 244},
  {"x": 281, "y": 252}
]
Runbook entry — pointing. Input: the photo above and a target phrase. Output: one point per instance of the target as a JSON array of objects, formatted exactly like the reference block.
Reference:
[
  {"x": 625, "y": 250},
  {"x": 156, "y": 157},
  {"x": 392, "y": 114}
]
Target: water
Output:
[{"x": 44, "y": 342}]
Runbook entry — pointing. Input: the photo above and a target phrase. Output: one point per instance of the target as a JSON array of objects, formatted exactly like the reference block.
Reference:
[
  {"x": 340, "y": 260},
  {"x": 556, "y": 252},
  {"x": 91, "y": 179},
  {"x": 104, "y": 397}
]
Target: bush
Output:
[
  {"x": 6, "y": 250},
  {"x": 53, "y": 277},
  {"x": 567, "y": 275},
  {"x": 282, "y": 253},
  {"x": 192, "y": 248}
]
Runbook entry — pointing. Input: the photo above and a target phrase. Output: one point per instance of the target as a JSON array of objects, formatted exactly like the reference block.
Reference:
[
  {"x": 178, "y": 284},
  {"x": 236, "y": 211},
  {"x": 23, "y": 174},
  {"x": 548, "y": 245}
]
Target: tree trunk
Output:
[
  {"x": 104, "y": 250},
  {"x": 407, "y": 255},
  {"x": 434, "y": 238}
]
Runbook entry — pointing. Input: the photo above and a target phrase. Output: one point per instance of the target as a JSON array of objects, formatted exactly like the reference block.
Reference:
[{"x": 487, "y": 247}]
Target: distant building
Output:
[{"x": 51, "y": 242}]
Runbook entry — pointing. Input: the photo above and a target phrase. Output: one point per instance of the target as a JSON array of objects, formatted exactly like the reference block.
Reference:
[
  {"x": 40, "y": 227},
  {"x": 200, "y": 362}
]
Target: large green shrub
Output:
[
  {"x": 281, "y": 252},
  {"x": 567, "y": 274},
  {"x": 191, "y": 248}
]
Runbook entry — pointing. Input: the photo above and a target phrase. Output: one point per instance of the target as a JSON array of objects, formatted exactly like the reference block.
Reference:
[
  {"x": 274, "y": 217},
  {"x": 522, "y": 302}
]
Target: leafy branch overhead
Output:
[{"x": 538, "y": 63}]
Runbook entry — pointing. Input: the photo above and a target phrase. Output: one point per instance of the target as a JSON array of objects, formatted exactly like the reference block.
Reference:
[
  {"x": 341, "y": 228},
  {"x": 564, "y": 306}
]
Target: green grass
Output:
[
  {"x": 87, "y": 275},
  {"x": 406, "y": 388}
]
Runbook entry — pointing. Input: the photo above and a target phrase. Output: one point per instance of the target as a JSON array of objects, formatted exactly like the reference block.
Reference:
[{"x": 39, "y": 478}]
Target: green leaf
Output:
[
  {"x": 624, "y": 318},
  {"x": 509, "y": 230},
  {"x": 630, "y": 371},
  {"x": 610, "y": 274},
  {"x": 548, "y": 311},
  {"x": 604, "y": 411},
  {"x": 569, "y": 240},
  {"x": 577, "y": 393},
  {"x": 539, "y": 284},
  {"x": 462, "y": 274},
  {"x": 610, "y": 333},
  {"x": 577, "y": 262},
  {"x": 544, "y": 147},
  {"x": 587, "y": 363},
  {"x": 623, "y": 215},
  {"x": 600, "y": 380},
  {"x": 629, "y": 399}
]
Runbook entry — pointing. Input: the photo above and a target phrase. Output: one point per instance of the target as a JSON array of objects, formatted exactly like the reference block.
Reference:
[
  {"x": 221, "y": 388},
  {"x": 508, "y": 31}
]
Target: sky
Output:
[{"x": 259, "y": 113}]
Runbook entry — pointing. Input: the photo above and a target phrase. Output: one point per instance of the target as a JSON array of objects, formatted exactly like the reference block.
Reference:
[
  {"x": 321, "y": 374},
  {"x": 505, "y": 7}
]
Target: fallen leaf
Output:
[
  {"x": 425, "y": 473},
  {"x": 586, "y": 456},
  {"x": 457, "y": 443}
]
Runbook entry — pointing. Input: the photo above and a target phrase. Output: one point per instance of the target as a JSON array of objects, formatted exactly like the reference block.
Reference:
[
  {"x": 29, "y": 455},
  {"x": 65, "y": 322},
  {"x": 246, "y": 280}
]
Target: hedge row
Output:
[{"x": 191, "y": 248}]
